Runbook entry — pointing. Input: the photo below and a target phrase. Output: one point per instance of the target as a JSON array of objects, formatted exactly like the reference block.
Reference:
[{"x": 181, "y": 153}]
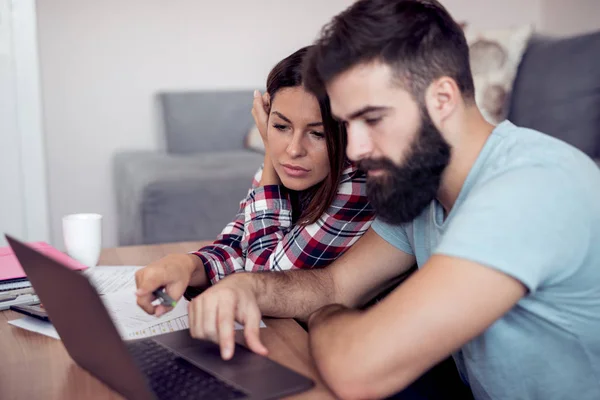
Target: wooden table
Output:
[{"x": 33, "y": 366}]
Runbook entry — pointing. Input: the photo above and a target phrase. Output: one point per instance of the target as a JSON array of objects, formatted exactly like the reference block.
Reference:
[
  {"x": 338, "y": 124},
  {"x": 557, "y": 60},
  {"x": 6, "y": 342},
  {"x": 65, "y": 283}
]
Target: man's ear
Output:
[{"x": 442, "y": 97}]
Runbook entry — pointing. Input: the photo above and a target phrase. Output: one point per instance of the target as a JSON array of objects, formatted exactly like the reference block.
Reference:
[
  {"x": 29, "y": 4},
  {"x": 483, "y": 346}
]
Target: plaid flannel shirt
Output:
[{"x": 262, "y": 236}]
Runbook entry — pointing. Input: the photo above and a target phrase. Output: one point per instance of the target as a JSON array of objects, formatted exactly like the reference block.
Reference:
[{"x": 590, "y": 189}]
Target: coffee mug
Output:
[{"x": 82, "y": 234}]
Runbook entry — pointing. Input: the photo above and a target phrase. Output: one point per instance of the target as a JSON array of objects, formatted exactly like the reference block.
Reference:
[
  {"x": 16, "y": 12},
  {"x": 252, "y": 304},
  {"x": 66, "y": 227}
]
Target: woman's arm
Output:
[
  {"x": 271, "y": 243},
  {"x": 225, "y": 255}
]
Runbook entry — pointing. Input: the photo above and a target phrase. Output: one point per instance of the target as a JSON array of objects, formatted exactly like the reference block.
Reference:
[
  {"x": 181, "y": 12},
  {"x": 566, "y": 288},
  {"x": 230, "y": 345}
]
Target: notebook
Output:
[{"x": 10, "y": 269}]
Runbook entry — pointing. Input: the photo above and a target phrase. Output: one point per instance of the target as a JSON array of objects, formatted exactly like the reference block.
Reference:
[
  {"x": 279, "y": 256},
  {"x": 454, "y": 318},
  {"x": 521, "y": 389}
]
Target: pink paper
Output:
[{"x": 11, "y": 269}]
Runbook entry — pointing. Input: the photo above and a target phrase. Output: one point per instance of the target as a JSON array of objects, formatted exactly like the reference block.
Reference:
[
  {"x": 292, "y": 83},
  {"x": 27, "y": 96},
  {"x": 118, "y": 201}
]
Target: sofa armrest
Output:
[{"x": 170, "y": 198}]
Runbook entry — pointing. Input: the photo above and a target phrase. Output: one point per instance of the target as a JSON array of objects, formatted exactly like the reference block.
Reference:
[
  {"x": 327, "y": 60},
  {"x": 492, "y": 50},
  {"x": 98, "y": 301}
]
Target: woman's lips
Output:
[{"x": 294, "y": 170}]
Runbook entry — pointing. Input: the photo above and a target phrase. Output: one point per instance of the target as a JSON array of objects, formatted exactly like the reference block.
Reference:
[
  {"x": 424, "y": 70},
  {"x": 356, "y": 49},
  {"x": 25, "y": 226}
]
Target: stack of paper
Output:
[{"x": 116, "y": 285}]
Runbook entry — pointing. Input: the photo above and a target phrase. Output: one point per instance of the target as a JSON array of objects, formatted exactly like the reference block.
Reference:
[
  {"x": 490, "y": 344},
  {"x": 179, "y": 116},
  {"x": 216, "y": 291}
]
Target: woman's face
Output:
[{"x": 296, "y": 139}]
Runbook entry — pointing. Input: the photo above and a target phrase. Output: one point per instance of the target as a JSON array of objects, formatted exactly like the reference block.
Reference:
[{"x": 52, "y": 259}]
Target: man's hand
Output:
[
  {"x": 174, "y": 272},
  {"x": 213, "y": 314}
]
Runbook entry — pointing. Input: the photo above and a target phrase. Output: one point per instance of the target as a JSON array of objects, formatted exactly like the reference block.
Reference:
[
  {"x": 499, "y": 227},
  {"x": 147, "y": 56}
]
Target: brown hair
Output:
[
  {"x": 310, "y": 204},
  {"x": 417, "y": 38}
]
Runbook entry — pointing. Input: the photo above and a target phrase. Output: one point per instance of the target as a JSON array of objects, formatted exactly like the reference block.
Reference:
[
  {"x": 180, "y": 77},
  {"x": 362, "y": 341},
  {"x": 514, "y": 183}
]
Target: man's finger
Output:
[
  {"x": 209, "y": 319},
  {"x": 252, "y": 330},
  {"x": 191, "y": 316},
  {"x": 196, "y": 329},
  {"x": 225, "y": 327}
]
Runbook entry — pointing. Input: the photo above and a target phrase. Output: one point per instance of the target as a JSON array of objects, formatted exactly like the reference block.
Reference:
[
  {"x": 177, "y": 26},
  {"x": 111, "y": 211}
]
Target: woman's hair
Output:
[{"x": 311, "y": 203}]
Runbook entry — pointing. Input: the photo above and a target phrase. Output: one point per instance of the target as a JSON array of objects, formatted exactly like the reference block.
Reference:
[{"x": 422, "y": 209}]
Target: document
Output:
[
  {"x": 116, "y": 286},
  {"x": 110, "y": 279},
  {"x": 129, "y": 317},
  {"x": 35, "y": 325}
]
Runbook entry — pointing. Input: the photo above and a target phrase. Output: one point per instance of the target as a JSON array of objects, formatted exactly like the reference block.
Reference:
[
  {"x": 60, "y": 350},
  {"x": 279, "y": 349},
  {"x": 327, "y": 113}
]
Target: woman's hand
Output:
[
  {"x": 260, "y": 111},
  {"x": 173, "y": 272}
]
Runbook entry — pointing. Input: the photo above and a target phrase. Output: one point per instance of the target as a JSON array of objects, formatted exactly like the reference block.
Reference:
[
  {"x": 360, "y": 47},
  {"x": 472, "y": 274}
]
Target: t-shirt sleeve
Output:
[
  {"x": 396, "y": 235},
  {"x": 529, "y": 223}
]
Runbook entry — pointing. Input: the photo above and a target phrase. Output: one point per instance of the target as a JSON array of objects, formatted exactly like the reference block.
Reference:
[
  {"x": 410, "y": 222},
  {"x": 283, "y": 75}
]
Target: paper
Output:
[
  {"x": 5, "y": 33},
  {"x": 153, "y": 329},
  {"x": 11, "y": 269},
  {"x": 111, "y": 279},
  {"x": 150, "y": 329},
  {"x": 129, "y": 317},
  {"x": 35, "y": 325},
  {"x": 173, "y": 325},
  {"x": 116, "y": 285}
]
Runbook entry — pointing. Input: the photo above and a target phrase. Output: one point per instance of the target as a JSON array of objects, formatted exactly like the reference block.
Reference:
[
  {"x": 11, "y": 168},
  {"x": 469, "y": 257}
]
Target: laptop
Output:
[{"x": 169, "y": 366}]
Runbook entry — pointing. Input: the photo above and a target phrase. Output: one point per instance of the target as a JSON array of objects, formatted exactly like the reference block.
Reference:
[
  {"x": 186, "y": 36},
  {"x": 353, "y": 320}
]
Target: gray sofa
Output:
[{"x": 191, "y": 191}]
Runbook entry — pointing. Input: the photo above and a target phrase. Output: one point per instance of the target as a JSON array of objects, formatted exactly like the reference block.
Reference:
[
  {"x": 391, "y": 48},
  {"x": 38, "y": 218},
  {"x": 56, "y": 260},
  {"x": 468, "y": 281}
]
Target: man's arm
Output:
[
  {"x": 437, "y": 310},
  {"x": 362, "y": 272}
]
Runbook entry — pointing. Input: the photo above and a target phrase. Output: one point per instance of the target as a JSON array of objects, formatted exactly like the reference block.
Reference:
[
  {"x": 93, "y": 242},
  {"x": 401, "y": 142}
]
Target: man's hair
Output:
[{"x": 417, "y": 38}]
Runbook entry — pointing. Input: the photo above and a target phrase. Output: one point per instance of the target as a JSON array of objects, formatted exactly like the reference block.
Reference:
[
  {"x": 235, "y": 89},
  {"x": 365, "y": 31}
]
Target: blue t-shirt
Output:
[{"x": 530, "y": 207}]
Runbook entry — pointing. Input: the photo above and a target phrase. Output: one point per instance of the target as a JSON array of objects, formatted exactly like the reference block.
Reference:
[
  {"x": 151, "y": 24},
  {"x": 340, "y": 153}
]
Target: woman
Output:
[{"x": 307, "y": 204}]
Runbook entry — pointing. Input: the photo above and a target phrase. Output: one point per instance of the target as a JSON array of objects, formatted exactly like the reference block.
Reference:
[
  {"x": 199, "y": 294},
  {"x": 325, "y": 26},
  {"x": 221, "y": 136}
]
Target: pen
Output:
[{"x": 165, "y": 299}]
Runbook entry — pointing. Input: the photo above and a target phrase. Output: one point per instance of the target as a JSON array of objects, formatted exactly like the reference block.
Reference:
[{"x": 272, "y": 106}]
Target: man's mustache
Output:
[{"x": 369, "y": 164}]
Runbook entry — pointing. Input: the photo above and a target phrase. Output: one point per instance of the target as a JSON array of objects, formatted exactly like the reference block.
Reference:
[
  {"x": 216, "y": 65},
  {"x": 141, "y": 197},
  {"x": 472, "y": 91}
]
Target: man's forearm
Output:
[
  {"x": 333, "y": 341},
  {"x": 292, "y": 294}
]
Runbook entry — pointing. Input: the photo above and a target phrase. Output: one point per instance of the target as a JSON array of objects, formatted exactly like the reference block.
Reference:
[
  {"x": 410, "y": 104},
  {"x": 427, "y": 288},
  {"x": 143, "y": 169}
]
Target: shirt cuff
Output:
[{"x": 213, "y": 276}]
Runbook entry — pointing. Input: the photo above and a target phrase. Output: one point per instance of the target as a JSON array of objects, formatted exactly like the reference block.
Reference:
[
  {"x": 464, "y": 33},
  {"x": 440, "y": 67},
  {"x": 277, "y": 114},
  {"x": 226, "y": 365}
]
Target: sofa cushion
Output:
[
  {"x": 206, "y": 121},
  {"x": 168, "y": 198},
  {"x": 557, "y": 90}
]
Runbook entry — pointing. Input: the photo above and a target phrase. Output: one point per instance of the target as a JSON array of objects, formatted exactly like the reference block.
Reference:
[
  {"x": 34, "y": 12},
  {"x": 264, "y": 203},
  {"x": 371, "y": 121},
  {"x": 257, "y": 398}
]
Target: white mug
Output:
[{"x": 82, "y": 234}]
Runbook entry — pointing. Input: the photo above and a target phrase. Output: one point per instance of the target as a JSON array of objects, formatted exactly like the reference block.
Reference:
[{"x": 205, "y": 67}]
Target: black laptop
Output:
[{"x": 169, "y": 366}]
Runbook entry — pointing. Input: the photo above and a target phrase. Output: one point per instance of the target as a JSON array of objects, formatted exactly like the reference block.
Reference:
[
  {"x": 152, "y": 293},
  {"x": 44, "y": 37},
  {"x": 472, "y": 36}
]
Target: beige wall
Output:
[
  {"x": 565, "y": 18},
  {"x": 491, "y": 14},
  {"x": 103, "y": 61}
]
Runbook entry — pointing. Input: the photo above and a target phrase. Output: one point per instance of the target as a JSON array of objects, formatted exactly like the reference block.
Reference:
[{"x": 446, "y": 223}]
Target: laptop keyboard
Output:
[{"x": 173, "y": 377}]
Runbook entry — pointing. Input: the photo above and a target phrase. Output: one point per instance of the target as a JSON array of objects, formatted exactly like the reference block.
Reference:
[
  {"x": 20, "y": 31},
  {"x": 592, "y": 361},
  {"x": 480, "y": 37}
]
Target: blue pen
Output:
[{"x": 165, "y": 299}]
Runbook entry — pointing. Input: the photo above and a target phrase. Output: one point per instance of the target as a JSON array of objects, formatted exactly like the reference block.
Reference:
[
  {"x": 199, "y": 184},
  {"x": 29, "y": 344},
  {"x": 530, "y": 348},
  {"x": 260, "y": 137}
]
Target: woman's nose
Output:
[{"x": 296, "y": 146}]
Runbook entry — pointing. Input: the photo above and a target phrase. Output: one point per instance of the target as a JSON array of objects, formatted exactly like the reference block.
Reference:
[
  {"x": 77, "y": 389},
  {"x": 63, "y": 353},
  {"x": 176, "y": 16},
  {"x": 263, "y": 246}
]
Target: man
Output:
[{"x": 503, "y": 222}]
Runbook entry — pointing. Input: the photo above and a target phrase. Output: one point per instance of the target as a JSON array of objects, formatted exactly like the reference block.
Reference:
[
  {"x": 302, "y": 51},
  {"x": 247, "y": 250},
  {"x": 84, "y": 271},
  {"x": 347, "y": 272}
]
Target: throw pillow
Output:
[
  {"x": 557, "y": 90},
  {"x": 253, "y": 140},
  {"x": 495, "y": 56}
]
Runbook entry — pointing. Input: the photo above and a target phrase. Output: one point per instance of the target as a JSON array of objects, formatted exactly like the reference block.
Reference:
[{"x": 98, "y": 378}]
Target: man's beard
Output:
[{"x": 401, "y": 193}]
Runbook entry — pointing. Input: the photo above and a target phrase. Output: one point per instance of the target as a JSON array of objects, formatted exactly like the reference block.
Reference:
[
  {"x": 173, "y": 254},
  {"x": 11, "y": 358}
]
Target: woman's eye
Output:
[
  {"x": 317, "y": 134},
  {"x": 372, "y": 121},
  {"x": 280, "y": 127}
]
